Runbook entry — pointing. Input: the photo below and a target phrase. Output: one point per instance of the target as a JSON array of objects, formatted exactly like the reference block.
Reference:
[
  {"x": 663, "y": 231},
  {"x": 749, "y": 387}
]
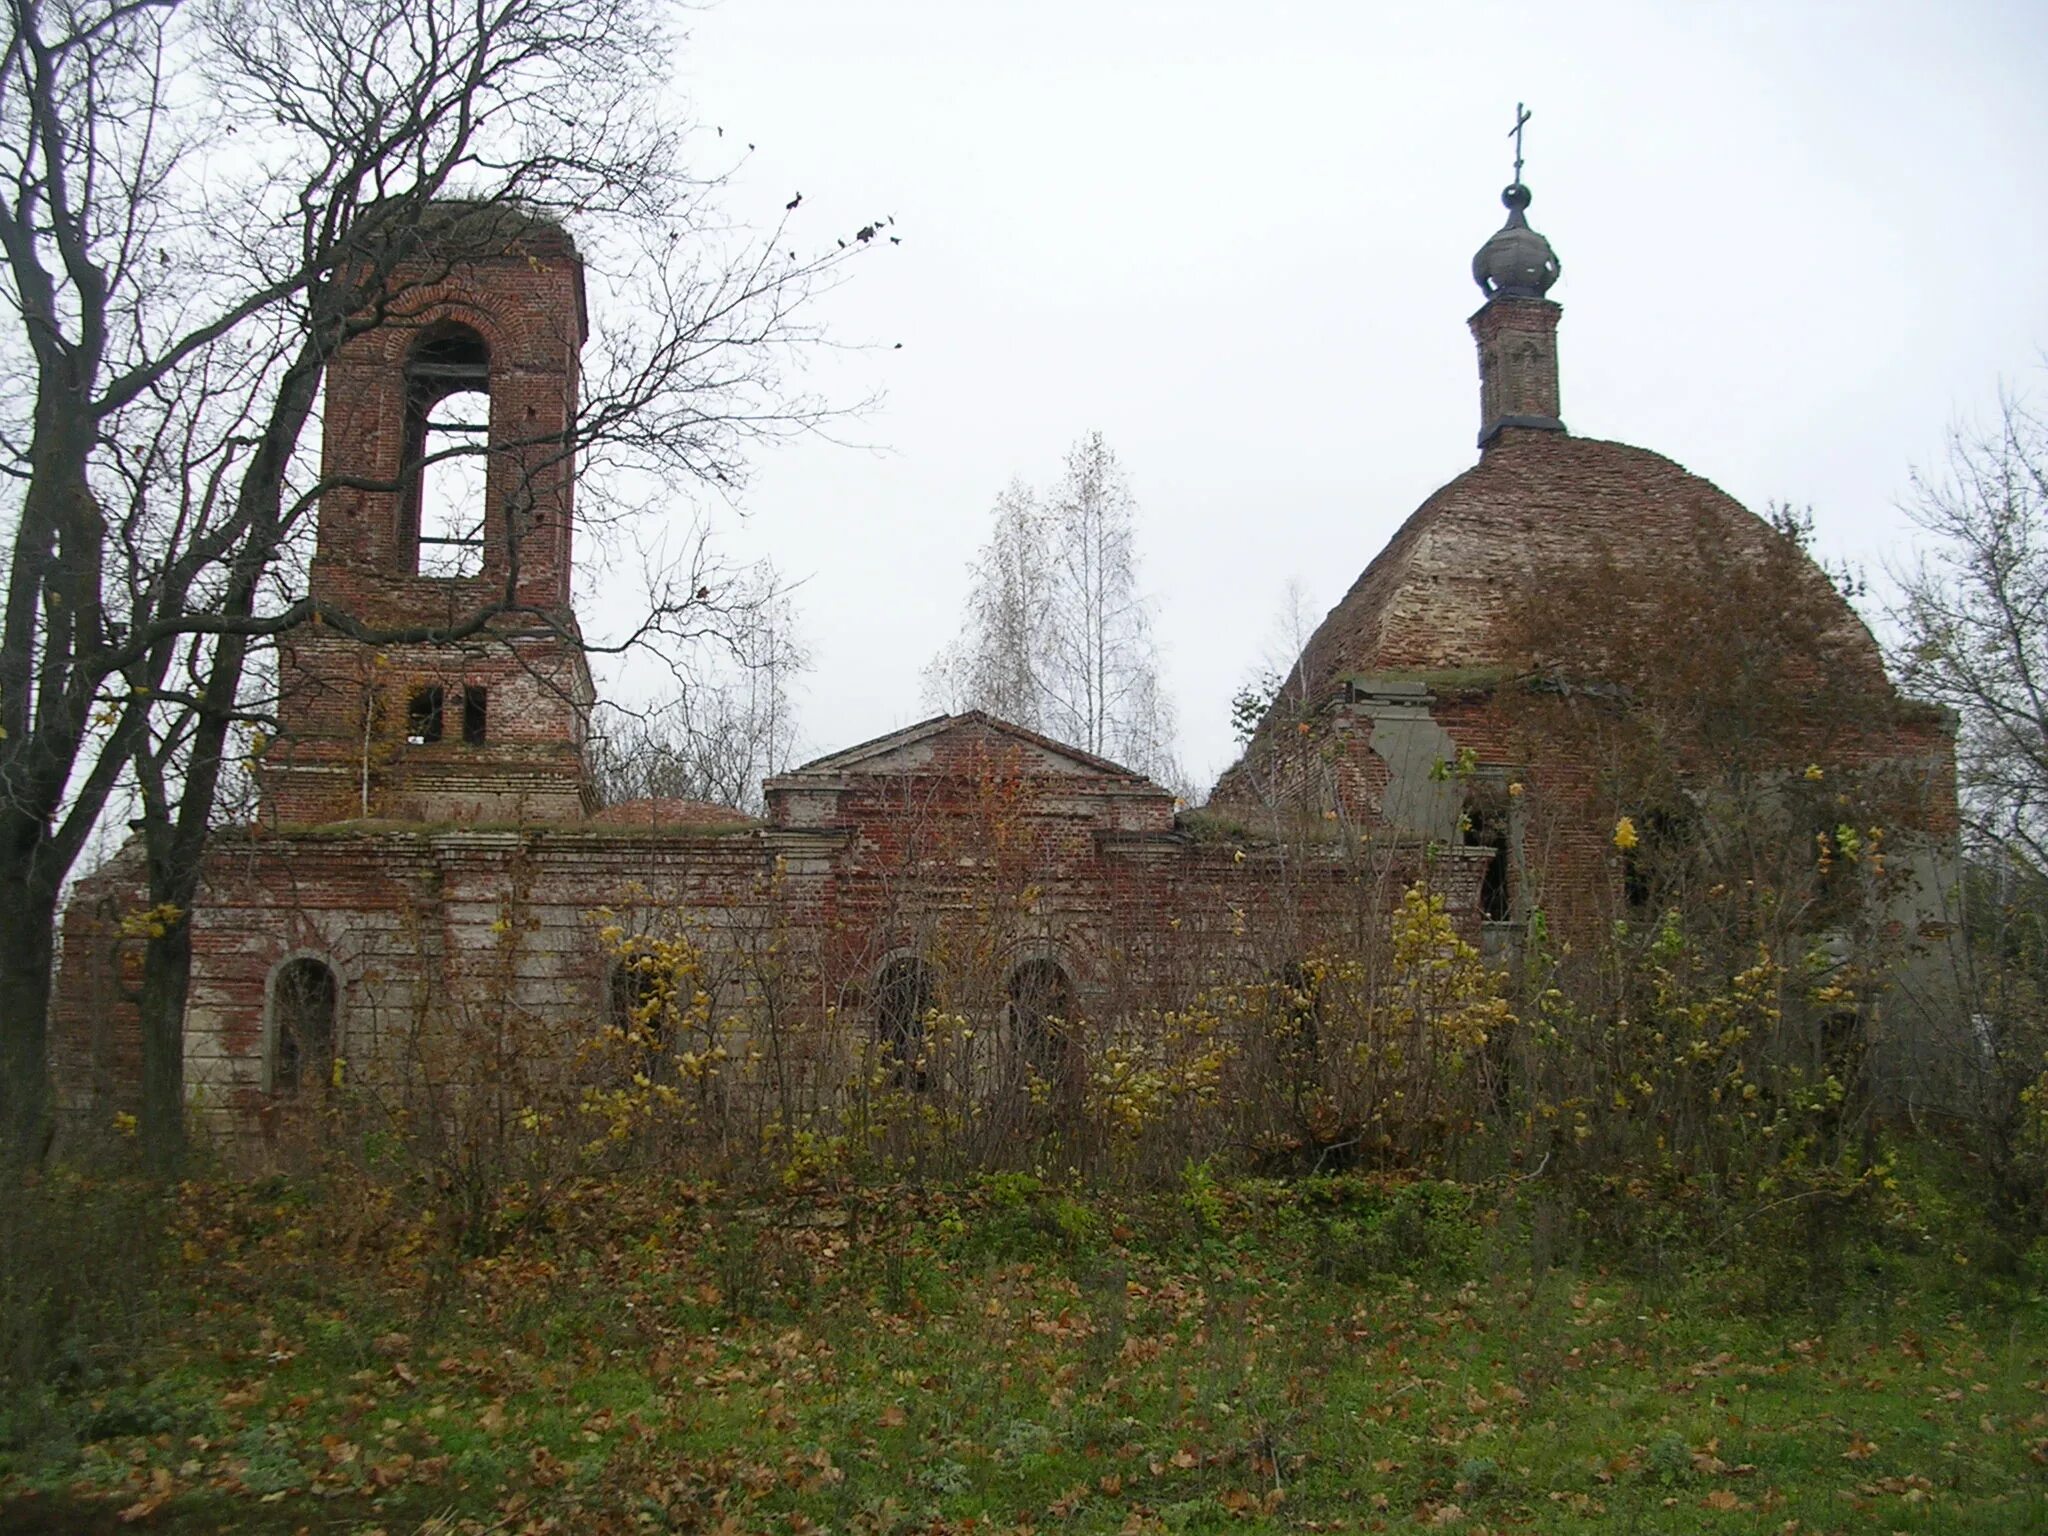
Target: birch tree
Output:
[
  {"x": 1058, "y": 635},
  {"x": 997, "y": 662},
  {"x": 1972, "y": 615}
]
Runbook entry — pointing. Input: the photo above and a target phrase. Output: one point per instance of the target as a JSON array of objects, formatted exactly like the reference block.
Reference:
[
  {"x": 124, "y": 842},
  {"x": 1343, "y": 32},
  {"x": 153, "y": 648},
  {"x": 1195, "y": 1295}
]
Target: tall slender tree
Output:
[
  {"x": 1972, "y": 616},
  {"x": 1058, "y": 636},
  {"x": 997, "y": 661}
]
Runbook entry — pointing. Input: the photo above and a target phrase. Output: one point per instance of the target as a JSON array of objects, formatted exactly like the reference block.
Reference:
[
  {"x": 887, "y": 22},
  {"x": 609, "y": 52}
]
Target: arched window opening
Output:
[
  {"x": 1636, "y": 884},
  {"x": 1041, "y": 1013},
  {"x": 447, "y": 428},
  {"x": 903, "y": 996},
  {"x": 303, "y": 997}
]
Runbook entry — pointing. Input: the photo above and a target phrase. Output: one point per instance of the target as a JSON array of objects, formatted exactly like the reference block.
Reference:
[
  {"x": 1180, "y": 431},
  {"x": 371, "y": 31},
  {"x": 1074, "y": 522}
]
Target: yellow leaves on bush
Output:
[
  {"x": 1625, "y": 834},
  {"x": 661, "y": 1027},
  {"x": 1441, "y": 984},
  {"x": 1135, "y": 1088}
]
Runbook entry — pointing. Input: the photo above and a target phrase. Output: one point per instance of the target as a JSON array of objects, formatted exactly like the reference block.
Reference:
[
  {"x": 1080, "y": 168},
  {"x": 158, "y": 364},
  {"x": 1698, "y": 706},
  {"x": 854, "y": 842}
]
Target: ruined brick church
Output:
[{"x": 429, "y": 840}]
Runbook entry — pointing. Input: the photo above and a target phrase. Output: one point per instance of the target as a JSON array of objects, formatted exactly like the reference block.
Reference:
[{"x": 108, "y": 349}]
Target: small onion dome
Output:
[{"x": 1517, "y": 263}]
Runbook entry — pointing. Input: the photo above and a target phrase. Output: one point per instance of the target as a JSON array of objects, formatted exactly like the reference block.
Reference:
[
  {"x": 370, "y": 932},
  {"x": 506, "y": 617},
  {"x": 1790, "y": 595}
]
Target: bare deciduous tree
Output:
[
  {"x": 1972, "y": 616},
  {"x": 1058, "y": 637},
  {"x": 732, "y": 723},
  {"x": 199, "y": 203},
  {"x": 1286, "y": 670}
]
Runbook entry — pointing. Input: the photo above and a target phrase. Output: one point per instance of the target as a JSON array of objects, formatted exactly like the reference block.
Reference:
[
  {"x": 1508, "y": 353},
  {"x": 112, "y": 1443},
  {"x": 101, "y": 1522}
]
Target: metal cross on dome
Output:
[{"x": 1522, "y": 115}]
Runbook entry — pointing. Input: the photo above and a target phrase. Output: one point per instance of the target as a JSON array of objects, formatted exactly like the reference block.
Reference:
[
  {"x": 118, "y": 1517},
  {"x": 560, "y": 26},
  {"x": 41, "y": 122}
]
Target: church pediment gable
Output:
[{"x": 966, "y": 742}]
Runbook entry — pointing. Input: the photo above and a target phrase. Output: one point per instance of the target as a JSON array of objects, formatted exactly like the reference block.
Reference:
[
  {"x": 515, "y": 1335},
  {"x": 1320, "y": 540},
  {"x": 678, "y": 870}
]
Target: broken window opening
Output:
[
  {"x": 423, "y": 716},
  {"x": 903, "y": 996},
  {"x": 627, "y": 988},
  {"x": 1041, "y": 1011},
  {"x": 447, "y": 429},
  {"x": 302, "y": 1007},
  {"x": 475, "y": 702},
  {"x": 1654, "y": 869},
  {"x": 1496, "y": 903},
  {"x": 634, "y": 1004}
]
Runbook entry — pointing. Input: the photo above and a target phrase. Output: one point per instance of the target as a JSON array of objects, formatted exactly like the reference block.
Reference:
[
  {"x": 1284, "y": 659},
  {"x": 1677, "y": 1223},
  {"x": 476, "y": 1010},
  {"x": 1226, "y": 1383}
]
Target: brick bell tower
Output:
[{"x": 446, "y": 450}]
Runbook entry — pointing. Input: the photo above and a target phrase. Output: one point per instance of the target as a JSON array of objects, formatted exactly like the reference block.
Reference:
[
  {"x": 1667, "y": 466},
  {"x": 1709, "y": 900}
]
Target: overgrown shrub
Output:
[
  {"x": 1688, "y": 1083},
  {"x": 80, "y": 1260},
  {"x": 1368, "y": 1228}
]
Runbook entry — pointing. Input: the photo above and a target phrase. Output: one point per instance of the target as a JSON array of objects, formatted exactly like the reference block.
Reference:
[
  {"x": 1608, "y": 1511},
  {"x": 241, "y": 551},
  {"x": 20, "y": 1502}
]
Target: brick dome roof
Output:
[{"x": 1543, "y": 511}]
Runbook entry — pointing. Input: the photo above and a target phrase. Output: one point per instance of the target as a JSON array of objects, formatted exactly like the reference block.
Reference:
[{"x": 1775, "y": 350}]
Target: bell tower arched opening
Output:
[{"x": 444, "y": 493}]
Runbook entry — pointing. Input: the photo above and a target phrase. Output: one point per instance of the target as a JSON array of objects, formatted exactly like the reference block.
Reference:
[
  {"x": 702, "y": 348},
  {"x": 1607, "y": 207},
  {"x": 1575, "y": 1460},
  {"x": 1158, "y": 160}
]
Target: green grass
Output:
[{"x": 1011, "y": 1358}]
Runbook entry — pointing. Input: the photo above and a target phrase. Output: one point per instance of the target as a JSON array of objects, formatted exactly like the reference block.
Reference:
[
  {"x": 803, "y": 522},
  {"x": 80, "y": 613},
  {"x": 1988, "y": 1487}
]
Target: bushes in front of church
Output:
[{"x": 1697, "y": 1083}]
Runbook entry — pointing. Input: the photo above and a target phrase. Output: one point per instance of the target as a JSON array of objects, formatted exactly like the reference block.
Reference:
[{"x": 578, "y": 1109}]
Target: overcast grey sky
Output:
[{"x": 1799, "y": 239}]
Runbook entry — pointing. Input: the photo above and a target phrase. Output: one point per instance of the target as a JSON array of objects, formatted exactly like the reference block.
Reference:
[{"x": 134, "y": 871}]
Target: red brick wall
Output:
[{"x": 976, "y": 857}]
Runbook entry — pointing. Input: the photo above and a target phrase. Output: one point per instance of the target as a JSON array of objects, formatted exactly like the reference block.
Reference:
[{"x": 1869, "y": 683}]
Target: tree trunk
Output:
[
  {"x": 177, "y": 842},
  {"x": 166, "y": 980},
  {"x": 52, "y": 619},
  {"x": 27, "y": 1120}
]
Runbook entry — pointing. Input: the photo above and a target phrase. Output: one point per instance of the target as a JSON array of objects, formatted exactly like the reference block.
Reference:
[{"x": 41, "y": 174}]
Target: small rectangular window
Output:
[
  {"x": 474, "y": 702},
  {"x": 423, "y": 716}
]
